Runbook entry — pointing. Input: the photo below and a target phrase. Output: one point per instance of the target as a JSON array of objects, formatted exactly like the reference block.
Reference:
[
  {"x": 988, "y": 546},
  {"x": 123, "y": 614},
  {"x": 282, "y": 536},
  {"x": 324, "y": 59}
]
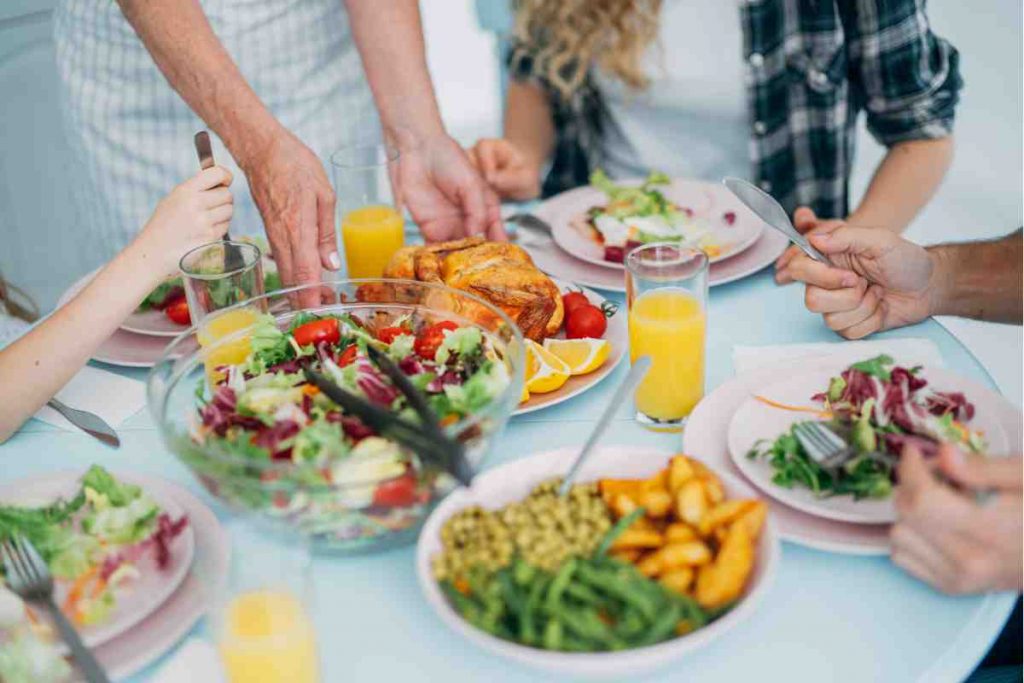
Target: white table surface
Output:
[{"x": 827, "y": 617}]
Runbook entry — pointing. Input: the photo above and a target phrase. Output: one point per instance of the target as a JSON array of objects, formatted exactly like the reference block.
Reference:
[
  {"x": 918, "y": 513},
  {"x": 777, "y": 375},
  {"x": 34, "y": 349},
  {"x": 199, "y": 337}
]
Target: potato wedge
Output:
[
  {"x": 691, "y": 502},
  {"x": 677, "y": 580},
  {"x": 638, "y": 538},
  {"x": 680, "y": 532},
  {"x": 629, "y": 555},
  {"x": 722, "y": 514},
  {"x": 656, "y": 503},
  {"x": 713, "y": 489},
  {"x": 650, "y": 565},
  {"x": 688, "y": 554},
  {"x": 622, "y": 505},
  {"x": 611, "y": 488},
  {"x": 722, "y": 581},
  {"x": 753, "y": 518},
  {"x": 658, "y": 482},
  {"x": 679, "y": 472}
]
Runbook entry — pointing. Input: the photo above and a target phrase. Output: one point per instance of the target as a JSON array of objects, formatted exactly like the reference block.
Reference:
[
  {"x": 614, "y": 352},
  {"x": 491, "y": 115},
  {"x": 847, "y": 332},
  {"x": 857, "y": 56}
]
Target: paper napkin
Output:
[
  {"x": 196, "y": 660},
  {"x": 111, "y": 396},
  {"x": 906, "y": 352}
]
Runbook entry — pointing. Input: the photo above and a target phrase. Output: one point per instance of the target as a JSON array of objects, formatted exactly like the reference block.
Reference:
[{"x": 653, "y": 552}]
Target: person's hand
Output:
[
  {"x": 505, "y": 169},
  {"x": 445, "y": 195},
  {"x": 296, "y": 202},
  {"x": 877, "y": 280},
  {"x": 947, "y": 539},
  {"x": 806, "y": 222},
  {"x": 195, "y": 213}
]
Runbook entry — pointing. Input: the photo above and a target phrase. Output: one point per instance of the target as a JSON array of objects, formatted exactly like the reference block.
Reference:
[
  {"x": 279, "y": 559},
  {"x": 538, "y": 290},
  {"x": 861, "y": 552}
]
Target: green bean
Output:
[
  {"x": 588, "y": 625},
  {"x": 553, "y": 635},
  {"x": 583, "y": 593},
  {"x": 559, "y": 584},
  {"x": 614, "y": 585},
  {"x": 616, "y": 531},
  {"x": 662, "y": 627}
]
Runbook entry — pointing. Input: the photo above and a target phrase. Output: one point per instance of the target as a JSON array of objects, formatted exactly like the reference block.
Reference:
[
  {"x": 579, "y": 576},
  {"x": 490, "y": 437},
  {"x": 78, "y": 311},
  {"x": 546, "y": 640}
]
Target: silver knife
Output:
[
  {"x": 90, "y": 423},
  {"x": 771, "y": 212}
]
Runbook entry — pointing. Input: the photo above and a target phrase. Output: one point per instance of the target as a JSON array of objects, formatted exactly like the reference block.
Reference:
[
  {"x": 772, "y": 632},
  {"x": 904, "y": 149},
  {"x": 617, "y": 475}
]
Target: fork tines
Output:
[{"x": 821, "y": 443}]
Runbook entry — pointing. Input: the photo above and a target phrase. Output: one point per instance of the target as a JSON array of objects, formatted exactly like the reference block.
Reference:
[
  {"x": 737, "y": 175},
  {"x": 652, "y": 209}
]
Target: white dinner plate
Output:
[
  {"x": 512, "y": 482},
  {"x": 137, "y": 599},
  {"x": 754, "y": 422},
  {"x": 617, "y": 335},
  {"x": 710, "y": 204}
]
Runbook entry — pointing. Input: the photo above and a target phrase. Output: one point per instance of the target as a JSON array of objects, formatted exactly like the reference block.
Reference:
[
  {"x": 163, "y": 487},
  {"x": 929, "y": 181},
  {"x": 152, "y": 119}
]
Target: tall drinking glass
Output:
[
  {"x": 262, "y": 619},
  {"x": 369, "y": 206},
  {"x": 214, "y": 281},
  {"x": 667, "y": 293}
]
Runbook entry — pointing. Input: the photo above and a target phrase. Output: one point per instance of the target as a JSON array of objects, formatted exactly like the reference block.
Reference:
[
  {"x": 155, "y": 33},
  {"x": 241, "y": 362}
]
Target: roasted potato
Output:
[
  {"x": 656, "y": 503},
  {"x": 679, "y": 472},
  {"x": 722, "y": 581},
  {"x": 677, "y": 580},
  {"x": 691, "y": 502},
  {"x": 721, "y": 515},
  {"x": 638, "y": 538},
  {"x": 680, "y": 532}
]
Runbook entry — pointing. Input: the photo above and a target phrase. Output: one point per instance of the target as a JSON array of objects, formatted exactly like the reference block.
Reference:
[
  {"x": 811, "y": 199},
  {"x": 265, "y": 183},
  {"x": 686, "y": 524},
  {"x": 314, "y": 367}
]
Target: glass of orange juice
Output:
[
  {"x": 262, "y": 619},
  {"x": 369, "y": 206},
  {"x": 215, "y": 280},
  {"x": 667, "y": 293}
]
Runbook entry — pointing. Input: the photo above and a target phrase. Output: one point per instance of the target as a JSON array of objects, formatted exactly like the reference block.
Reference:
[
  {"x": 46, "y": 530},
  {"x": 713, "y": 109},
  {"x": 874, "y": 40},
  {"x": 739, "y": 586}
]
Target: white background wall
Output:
[{"x": 981, "y": 196}]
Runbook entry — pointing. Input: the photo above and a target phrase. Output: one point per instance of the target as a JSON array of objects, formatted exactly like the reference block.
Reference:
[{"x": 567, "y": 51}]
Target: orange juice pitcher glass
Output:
[
  {"x": 369, "y": 206},
  {"x": 667, "y": 293}
]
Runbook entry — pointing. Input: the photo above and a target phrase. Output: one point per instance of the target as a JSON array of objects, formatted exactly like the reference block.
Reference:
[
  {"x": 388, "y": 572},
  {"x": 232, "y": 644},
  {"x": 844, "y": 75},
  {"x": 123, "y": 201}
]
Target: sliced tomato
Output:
[
  {"x": 397, "y": 493},
  {"x": 431, "y": 338},
  {"x": 573, "y": 300},
  {"x": 586, "y": 321},
  {"x": 324, "y": 330},
  {"x": 389, "y": 334},
  {"x": 347, "y": 356},
  {"x": 177, "y": 312}
]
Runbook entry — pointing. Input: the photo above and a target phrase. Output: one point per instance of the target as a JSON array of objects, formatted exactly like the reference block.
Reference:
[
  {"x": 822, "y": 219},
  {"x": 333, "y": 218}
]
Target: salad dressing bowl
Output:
[{"x": 234, "y": 407}]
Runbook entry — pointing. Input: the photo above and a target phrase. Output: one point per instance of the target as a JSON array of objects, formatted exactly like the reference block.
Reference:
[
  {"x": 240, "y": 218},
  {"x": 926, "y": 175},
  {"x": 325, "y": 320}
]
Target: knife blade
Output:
[
  {"x": 90, "y": 423},
  {"x": 771, "y": 212}
]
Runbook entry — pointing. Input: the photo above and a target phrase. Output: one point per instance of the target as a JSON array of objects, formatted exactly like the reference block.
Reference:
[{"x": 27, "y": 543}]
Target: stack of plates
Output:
[{"x": 570, "y": 255}]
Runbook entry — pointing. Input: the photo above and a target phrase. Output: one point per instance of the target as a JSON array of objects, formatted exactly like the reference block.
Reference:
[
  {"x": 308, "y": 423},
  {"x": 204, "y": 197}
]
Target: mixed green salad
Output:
[
  {"x": 93, "y": 542},
  {"x": 636, "y": 215},
  {"x": 878, "y": 408},
  {"x": 342, "y": 478}
]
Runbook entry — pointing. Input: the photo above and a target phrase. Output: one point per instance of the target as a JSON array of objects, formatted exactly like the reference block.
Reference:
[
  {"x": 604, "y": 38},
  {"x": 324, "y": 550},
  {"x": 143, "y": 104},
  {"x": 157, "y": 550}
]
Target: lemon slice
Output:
[
  {"x": 545, "y": 372},
  {"x": 581, "y": 355}
]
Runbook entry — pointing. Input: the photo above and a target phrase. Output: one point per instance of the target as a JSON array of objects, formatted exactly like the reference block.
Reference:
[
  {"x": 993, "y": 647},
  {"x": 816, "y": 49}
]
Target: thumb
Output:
[
  {"x": 327, "y": 244},
  {"x": 978, "y": 471},
  {"x": 845, "y": 238},
  {"x": 804, "y": 219}
]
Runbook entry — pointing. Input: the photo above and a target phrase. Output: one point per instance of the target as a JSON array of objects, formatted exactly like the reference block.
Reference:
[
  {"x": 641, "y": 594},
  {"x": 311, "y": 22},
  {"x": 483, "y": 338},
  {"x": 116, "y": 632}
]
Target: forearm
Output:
[
  {"x": 979, "y": 280},
  {"x": 185, "y": 48},
  {"x": 903, "y": 183},
  {"x": 528, "y": 123},
  {"x": 36, "y": 366},
  {"x": 389, "y": 37}
]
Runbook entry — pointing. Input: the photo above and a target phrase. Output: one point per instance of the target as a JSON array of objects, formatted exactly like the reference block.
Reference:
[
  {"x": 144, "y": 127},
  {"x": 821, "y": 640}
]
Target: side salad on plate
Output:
[
  {"x": 636, "y": 215},
  {"x": 877, "y": 408},
  {"x": 313, "y": 463},
  {"x": 95, "y": 542}
]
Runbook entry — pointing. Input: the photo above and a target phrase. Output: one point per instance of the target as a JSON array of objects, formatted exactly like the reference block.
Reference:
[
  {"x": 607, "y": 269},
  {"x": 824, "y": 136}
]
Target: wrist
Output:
[
  {"x": 250, "y": 142},
  {"x": 941, "y": 287}
]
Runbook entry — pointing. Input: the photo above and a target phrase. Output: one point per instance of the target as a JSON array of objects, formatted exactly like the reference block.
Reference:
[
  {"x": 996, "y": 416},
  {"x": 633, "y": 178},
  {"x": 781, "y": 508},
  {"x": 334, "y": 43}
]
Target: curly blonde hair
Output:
[{"x": 567, "y": 37}]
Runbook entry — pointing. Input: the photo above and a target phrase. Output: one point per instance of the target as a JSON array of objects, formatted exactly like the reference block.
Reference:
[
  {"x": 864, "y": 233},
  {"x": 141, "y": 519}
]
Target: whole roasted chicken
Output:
[{"x": 498, "y": 272}]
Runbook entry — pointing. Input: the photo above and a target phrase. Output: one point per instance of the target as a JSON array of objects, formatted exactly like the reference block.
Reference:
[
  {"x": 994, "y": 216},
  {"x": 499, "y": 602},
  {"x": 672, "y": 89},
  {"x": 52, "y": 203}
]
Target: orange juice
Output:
[
  {"x": 372, "y": 234},
  {"x": 669, "y": 326},
  {"x": 267, "y": 638},
  {"x": 220, "y": 325}
]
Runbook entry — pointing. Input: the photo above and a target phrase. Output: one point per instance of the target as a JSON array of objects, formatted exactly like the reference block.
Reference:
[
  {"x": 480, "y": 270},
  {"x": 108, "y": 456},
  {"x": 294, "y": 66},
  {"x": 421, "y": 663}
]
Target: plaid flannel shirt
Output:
[{"x": 811, "y": 67}]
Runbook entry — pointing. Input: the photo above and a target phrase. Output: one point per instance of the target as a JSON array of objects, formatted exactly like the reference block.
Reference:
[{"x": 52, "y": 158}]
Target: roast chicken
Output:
[{"x": 498, "y": 272}]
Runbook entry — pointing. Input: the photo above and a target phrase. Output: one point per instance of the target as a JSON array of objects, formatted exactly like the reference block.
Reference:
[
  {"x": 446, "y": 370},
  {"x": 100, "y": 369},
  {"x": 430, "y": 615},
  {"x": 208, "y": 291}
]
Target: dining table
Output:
[{"x": 826, "y": 616}]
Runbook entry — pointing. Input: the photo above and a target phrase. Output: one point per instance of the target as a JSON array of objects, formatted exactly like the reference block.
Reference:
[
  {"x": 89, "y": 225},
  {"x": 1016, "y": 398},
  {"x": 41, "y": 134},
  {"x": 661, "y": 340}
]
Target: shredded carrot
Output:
[
  {"x": 797, "y": 409},
  {"x": 462, "y": 585},
  {"x": 98, "y": 588},
  {"x": 449, "y": 419},
  {"x": 77, "y": 589},
  {"x": 310, "y": 389}
]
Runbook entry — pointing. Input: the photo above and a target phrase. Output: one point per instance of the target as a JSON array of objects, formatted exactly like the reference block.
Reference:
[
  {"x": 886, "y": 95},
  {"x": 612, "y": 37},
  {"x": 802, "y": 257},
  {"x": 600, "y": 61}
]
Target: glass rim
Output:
[
  {"x": 686, "y": 254},
  {"x": 186, "y": 272},
  {"x": 391, "y": 155}
]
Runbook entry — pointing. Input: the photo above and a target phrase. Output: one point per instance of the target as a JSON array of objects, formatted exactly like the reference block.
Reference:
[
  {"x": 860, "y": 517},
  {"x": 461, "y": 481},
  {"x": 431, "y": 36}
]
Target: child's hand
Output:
[
  {"x": 196, "y": 212},
  {"x": 506, "y": 169}
]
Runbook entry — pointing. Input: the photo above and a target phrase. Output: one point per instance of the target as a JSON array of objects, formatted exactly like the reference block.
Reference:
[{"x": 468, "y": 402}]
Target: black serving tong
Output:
[
  {"x": 427, "y": 439},
  {"x": 232, "y": 256}
]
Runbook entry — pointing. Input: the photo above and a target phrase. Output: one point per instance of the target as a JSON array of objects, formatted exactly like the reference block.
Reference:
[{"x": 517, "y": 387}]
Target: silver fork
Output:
[
  {"x": 29, "y": 577},
  {"x": 531, "y": 223},
  {"x": 822, "y": 445}
]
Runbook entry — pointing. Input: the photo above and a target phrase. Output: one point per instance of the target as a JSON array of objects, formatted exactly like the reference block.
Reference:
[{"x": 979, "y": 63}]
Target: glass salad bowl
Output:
[{"x": 232, "y": 401}]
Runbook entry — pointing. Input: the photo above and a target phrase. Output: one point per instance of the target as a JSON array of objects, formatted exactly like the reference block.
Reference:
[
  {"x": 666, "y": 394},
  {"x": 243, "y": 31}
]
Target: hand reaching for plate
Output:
[
  {"x": 506, "y": 169},
  {"x": 947, "y": 539}
]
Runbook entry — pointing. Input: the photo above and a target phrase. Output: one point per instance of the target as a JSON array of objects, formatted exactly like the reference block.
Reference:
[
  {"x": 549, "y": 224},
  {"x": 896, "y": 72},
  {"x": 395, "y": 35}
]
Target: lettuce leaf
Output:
[
  {"x": 462, "y": 342},
  {"x": 269, "y": 345}
]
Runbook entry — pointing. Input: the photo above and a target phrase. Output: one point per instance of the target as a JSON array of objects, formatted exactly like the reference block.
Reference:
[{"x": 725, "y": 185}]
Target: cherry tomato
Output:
[
  {"x": 573, "y": 300},
  {"x": 430, "y": 339},
  {"x": 389, "y": 334},
  {"x": 347, "y": 356},
  {"x": 586, "y": 321},
  {"x": 325, "y": 330},
  {"x": 178, "y": 313},
  {"x": 397, "y": 493}
]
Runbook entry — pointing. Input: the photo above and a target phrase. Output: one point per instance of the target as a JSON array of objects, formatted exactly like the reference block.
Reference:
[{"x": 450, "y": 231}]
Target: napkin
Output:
[
  {"x": 195, "y": 660},
  {"x": 907, "y": 352},
  {"x": 111, "y": 396}
]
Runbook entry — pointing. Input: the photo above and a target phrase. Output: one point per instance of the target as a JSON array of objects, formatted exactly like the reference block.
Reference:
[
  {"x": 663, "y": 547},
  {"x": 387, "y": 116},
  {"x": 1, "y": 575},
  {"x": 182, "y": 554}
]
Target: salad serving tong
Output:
[{"x": 29, "y": 577}]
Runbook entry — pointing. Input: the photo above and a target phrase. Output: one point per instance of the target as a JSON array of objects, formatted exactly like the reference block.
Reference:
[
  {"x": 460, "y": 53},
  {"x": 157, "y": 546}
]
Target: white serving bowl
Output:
[{"x": 514, "y": 481}]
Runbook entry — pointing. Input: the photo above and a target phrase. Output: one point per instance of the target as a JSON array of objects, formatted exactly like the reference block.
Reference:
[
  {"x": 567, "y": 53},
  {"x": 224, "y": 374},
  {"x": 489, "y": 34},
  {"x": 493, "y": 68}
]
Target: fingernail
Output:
[{"x": 334, "y": 260}]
